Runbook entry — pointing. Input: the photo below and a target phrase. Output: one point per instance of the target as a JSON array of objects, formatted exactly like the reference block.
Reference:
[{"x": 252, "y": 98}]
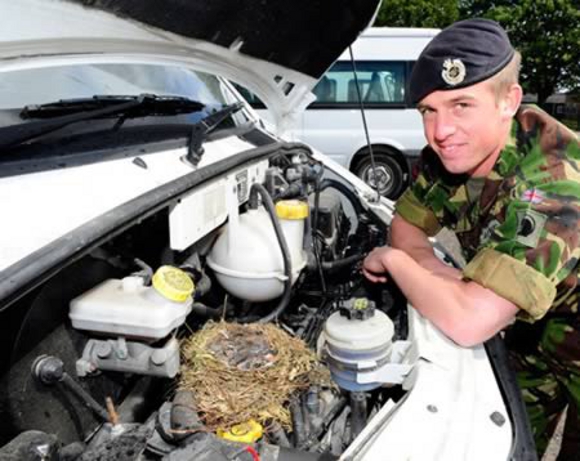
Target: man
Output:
[{"x": 506, "y": 180}]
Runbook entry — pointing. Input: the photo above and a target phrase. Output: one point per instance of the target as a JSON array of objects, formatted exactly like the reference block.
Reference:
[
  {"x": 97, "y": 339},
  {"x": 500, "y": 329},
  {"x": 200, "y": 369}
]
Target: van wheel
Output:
[{"x": 389, "y": 178}]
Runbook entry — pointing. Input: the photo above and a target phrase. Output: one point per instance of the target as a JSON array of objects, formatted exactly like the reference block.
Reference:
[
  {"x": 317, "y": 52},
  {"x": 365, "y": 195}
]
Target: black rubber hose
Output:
[
  {"x": 184, "y": 419},
  {"x": 298, "y": 423},
  {"x": 147, "y": 270},
  {"x": 285, "y": 299},
  {"x": 338, "y": 263},
  {"x": 206, "y": 312}
]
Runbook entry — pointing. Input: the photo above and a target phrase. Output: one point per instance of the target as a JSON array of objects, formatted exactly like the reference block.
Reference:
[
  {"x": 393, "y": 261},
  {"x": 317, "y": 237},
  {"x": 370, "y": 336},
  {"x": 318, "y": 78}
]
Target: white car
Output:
[{"x": 130, "y": 168}]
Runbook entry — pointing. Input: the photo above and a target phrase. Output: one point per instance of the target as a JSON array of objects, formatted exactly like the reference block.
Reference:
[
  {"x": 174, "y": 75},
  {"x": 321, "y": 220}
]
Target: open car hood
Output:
[{"x": 277, "y": 49}]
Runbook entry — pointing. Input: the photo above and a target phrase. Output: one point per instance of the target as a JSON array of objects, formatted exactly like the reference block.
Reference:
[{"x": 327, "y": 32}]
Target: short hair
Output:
[{"x": 505, "y": 78}]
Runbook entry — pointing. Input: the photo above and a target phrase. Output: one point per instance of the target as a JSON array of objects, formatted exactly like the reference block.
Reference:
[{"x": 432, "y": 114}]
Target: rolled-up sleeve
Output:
[{"x": 513, "y": 280}]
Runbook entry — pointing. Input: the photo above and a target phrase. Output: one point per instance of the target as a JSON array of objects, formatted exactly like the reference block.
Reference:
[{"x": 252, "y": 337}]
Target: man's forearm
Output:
[
  {"x": 416, "y": 244},
  {"x": 434, "y": 295},
  {"x": 462, "y": 310}
]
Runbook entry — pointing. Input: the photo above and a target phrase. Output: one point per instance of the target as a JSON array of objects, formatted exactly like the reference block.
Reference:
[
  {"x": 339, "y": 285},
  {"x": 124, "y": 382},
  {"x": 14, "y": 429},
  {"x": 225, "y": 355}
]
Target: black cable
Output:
[
  {"x": 285, "y": 299},
  {"x": 314, "y": 229}
]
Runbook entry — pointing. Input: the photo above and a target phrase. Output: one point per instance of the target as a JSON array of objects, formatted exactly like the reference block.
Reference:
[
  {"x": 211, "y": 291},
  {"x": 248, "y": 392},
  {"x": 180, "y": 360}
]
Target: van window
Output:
[
  {"x": 381, "y": 83},
  {"x": 252, "y": 99}
]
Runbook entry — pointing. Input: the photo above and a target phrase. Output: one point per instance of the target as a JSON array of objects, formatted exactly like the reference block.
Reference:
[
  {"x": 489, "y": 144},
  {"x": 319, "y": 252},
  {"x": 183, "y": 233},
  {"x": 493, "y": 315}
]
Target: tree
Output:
[
  {"x": 417, "y": 13},
  {"x": 546, "y": 32}
]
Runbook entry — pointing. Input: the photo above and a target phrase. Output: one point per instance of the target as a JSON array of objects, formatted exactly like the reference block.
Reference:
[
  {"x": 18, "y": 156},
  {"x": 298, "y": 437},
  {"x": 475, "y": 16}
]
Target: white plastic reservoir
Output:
[
  {"x": 357, "y": 344},
  {"x": 128, "y": 308},
  {"x": 247, "y": 259}
]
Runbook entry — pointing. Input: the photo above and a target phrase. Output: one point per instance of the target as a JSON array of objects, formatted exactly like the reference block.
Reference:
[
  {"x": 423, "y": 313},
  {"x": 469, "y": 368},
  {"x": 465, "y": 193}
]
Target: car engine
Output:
[{"x": 101, "y": 353}]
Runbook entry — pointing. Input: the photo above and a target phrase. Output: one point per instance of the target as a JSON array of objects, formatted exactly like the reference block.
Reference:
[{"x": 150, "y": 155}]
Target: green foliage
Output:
[
  {"x": 417, "y": 13},
  {"x": 546, "y": 32}
]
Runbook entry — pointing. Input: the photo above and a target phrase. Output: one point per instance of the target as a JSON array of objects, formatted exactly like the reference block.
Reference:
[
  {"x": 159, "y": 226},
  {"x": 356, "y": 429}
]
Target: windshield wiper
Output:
[
  {"x": 63, "y": 113},
  {"x": 204, "y": 127}
]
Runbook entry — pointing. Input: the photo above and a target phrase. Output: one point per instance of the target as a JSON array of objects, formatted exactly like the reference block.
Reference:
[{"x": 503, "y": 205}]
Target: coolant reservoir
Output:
[
  {"x": 247, "y": 258},
  {"x": 128, "y": 308},
  {"x": 358, "y": 341}
]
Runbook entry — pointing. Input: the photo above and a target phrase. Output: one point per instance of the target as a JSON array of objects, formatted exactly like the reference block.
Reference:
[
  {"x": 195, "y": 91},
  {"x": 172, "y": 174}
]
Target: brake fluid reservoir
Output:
[
  {"x": 358, "y": 341},
  {"x": 128, "y": 308},
  {"x": 247, "y": 258}
]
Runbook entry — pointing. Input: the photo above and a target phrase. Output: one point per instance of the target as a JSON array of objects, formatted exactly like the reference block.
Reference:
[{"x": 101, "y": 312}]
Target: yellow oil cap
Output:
[
  {"x": 249, "y": 432},
  {"x": 292, "y": 209},
  {"x": 173, "y": 283}
]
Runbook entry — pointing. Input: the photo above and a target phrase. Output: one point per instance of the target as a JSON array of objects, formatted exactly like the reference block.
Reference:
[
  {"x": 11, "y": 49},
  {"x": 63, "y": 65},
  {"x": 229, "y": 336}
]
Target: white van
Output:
[{"x": 384, "y": 58}]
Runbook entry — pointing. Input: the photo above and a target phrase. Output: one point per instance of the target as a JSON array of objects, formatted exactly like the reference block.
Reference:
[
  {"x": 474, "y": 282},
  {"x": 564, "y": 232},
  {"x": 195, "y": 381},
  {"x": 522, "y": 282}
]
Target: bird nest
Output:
[{"x": 242, "y": 372}]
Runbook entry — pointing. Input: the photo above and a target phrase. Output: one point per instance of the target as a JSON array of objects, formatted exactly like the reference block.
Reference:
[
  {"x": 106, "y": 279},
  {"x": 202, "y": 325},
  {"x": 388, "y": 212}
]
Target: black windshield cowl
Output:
[
  {"x": 54, "y": 116},
  {"x": 93, "y": 141}
]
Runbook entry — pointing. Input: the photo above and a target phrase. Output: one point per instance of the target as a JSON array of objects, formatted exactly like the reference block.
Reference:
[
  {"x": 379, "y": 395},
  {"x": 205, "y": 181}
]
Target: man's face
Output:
[{"x": 467, "y": 127}]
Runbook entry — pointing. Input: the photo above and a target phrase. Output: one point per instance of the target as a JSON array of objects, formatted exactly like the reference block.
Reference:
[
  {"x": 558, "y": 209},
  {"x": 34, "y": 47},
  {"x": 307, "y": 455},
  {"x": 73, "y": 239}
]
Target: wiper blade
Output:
[
  {"x": 63, "y": 113},
  {"x": 144, "y": 105}
]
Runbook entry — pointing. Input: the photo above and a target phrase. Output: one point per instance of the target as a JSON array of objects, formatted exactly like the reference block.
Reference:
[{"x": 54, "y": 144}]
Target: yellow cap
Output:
[
  {"x": 292, "y": 209},
  {"x": 361, "y": 304},
  {"x": 249, "y": 432},
  {"x": 173, "y": 283}
]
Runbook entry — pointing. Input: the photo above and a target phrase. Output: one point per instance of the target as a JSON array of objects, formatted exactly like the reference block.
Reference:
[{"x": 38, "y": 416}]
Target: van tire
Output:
[{"x": 385, "y": 164}]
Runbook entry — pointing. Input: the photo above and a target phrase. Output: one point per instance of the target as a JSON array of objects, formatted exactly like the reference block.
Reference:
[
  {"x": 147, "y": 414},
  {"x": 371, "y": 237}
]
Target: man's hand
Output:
[{"x": 374, "y": 267}]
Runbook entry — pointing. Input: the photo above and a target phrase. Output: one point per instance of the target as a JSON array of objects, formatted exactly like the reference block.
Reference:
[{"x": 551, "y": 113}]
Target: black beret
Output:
[{"x": 465, "y": 53}]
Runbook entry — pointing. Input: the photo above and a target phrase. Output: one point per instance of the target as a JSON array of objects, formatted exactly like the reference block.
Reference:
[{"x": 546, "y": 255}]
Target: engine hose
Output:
[
  {"x": 277, "y": 435},
  {"x": 331, "y": 265},
  {"x": 358, "y": 413},
  {"x": 147, "y": 270},
  {"x": 206, "y": 312},
  {"x": 184, "y": 419},
  {"x": 327, "y": 420},
  {"x": 298, "y": 423},
  {"x": 285, "y": 299}
]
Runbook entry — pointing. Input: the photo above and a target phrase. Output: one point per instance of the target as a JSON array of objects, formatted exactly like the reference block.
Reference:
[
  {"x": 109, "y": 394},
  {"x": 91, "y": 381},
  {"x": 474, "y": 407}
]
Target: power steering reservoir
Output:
[{"x": 358, "y": 342}]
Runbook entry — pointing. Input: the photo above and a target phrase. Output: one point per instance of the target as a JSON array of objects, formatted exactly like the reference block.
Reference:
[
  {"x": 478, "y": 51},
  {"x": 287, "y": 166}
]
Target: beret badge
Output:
[{"x": 453, "y": 72}]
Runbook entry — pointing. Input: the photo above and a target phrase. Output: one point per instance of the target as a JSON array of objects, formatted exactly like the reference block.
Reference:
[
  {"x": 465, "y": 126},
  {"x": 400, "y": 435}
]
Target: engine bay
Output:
[{"x": 98, "y": 360}]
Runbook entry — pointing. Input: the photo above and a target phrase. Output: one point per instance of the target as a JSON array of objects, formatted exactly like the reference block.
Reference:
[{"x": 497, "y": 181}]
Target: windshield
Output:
[{"x": 40, "y": 86}]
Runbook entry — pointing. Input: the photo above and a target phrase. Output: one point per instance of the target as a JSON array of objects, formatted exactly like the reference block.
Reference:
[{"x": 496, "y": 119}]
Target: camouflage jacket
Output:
[{"x": 519, "y": 227}]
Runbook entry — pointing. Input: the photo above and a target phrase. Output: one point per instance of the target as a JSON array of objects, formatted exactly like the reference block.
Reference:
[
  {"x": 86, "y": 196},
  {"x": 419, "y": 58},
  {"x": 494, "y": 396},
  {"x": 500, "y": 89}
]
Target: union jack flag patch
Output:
[{"x": 532, "y": 196}]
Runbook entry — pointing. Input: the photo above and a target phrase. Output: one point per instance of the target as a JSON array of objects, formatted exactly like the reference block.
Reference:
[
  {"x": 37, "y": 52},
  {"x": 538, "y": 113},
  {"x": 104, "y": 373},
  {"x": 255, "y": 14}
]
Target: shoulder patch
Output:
[{"x": 530, "y": 226}]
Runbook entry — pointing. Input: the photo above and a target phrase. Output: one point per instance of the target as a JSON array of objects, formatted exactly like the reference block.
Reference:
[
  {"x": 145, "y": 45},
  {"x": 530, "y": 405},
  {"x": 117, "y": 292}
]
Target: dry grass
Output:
[{"x": 242, "y": 372}]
